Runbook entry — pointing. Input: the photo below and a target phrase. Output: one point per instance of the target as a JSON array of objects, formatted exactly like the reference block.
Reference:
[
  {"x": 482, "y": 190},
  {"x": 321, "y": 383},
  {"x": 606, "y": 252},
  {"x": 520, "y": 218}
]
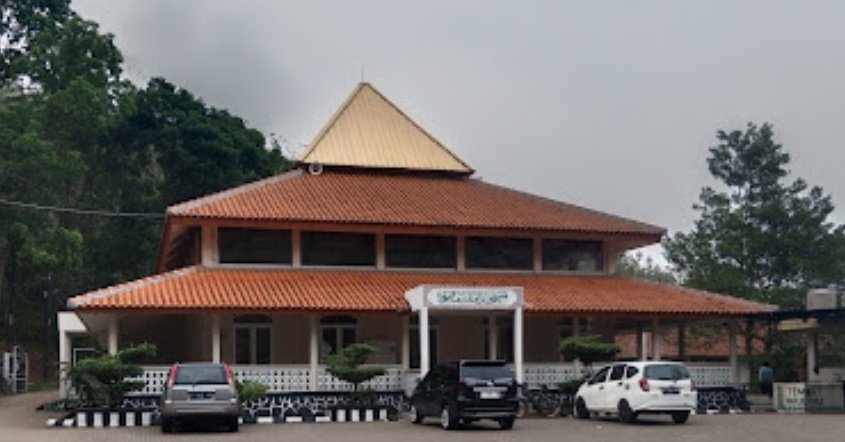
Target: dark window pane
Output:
[
  {"x": 254, "y": 246},
  {"x": 572, "y": 255},
  {"x": 499, "y": 253},
  {"x": 420, "y": 251},
  {"x": 348, "y": 337},
  {"x": 338, "y": 249},
  {"x": 329, "y": 341},
  {"x": 262, "y": 345},
  {"x": 666, "y": 372},
  {"x": 616, "y": 372},
  {"x": 485, "y": 371},
  {"x": 242, "y": 345}
]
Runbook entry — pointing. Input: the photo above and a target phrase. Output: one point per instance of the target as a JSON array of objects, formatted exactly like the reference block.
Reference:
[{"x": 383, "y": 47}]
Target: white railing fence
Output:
[{"x": 285, "y": 378}]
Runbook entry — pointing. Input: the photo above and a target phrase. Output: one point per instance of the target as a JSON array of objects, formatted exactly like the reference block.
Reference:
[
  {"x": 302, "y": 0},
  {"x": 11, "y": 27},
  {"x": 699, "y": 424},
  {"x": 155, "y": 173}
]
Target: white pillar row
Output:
[
  {"x": 576, "y": 331},
  {"x": 425, "y": 351},
  {"x": 406, "y": 343},
  {"x": 492, "y": 338},
  {"x": 655, "y": 339},
  {"x": 215, "y": 339},
  {"x": 113, "y": 332},
  {"x": 313, "y": 352},
  {"x": 732, "y": 353},
  {"x": 517, "y": 344}
]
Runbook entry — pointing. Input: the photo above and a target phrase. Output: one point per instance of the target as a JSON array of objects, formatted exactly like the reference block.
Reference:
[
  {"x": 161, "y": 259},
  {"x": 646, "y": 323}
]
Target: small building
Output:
[{"x": 382, "y": 235}]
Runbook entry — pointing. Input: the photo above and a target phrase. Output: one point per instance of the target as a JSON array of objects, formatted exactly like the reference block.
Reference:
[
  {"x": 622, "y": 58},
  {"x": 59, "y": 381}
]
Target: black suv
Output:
[{"x": 467, "y": 391}]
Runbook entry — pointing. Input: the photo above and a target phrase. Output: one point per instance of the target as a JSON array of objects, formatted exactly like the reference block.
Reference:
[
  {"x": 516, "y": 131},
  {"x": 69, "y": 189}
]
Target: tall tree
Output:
[{"x": 761, "y": 236}]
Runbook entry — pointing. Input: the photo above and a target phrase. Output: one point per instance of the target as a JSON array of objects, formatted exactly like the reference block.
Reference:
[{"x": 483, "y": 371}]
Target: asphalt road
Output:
[{"x": 19, "y": 422}]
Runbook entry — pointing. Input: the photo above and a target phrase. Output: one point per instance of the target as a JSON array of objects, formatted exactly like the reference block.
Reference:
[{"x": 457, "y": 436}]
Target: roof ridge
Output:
[
  {"x": 177, "y": 209},
  {"x": 555, "y": 202},
  {"x": 106, "y": 292}
]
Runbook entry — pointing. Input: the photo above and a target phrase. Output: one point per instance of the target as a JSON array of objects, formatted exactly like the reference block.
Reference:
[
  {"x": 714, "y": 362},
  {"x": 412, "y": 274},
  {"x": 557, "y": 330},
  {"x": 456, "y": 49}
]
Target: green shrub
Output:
[
  {"x": 346, "y": 366},
  {"x": 250, "y": 391},
  {"x": 101, "y": 381},
  {"x": 588, "y": 349},
  {"x": 571, "y": 387}
]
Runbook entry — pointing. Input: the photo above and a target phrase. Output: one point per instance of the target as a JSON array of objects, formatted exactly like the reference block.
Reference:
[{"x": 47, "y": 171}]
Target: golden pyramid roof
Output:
[{"x": 369, "y": 131}]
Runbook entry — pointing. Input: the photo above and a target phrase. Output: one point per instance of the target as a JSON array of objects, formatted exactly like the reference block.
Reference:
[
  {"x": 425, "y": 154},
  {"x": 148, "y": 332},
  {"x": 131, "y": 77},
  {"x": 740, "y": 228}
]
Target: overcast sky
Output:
[{"x": 611, "y": 105}]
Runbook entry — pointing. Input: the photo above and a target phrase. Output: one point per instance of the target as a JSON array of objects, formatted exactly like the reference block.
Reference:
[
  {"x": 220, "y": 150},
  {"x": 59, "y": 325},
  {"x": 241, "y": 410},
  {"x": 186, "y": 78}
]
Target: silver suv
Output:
[{"x": 199, "y": 391}]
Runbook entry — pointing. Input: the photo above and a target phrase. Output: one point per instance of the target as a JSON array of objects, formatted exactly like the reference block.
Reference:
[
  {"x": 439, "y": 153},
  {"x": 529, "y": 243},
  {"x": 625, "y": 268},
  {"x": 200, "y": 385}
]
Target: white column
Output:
[
  {"x": 517, "y": 345},
  {"x": 425, "y": 352},
  {"x": 313, "y": 352},
  {"x": 655, "y": 339},
  {"x": 406, "y": 343},
  {"x": 812, "y": 355},
  {"x": 492, "y": 338},
  {"x": 215, "y": 339},
  {"x": 65, "y": 346},
  {"x": 732, "y": 352},
  {"x": 642, "y": 343},
  {"x": 113, "y": 335}
]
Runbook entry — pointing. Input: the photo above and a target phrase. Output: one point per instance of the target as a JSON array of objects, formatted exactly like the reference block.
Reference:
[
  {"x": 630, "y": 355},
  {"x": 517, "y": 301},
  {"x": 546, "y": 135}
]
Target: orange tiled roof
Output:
[
  {"x": 391, "y": 199},
  {"x": 287, "y": 290}
]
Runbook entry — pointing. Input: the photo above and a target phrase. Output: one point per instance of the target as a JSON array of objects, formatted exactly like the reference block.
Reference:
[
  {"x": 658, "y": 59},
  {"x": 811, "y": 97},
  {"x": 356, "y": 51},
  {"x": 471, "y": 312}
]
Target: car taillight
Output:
[
  {"x": 228, "y": 374},
  {"x": 692, "y": 385},
  {"x": 644, "y": 384},
  {"x": 171, "y": 378}
]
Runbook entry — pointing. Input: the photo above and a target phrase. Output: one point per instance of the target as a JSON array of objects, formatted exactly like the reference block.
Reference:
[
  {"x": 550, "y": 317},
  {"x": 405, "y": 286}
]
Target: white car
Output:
[{"x": 628, "y": 389}]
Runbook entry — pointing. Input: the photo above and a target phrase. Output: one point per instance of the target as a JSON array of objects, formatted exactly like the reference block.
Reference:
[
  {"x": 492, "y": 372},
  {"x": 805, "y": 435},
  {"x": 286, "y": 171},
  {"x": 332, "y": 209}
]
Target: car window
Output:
[
  {"x": 616, "y": 372},
  {"x": 486, "y": 372},
  {"x": 201, "y": 374},
  {"x": 631, "y": 371},
  {"x": 600, "y": 376},
  {"x": 666, "y": 372}
]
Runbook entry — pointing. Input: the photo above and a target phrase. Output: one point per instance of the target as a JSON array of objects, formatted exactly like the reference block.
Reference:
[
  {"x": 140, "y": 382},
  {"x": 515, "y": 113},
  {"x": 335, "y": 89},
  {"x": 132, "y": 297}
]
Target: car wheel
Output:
[
  {"x": 234, "y": 425},
  {"x": 581, "y": 410},
  {"x": 506, "y": 423},
  {"x": 626, "y": 414},
  {"x": 448, "y": 419},
  {"x": 680, "y": 417},
  {"x": 416, "y": 417}
]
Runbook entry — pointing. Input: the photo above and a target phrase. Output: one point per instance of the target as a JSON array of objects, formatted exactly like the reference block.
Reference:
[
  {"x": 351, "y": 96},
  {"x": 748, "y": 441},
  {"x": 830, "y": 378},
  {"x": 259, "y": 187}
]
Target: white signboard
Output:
[
  {"x": 477, "y": 298},
  {"x": 800, "y": 397}
]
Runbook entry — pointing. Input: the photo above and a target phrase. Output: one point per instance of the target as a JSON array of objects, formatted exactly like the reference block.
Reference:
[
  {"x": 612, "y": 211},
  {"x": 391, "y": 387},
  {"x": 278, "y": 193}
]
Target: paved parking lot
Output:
[{"x": 18, "y": 422}]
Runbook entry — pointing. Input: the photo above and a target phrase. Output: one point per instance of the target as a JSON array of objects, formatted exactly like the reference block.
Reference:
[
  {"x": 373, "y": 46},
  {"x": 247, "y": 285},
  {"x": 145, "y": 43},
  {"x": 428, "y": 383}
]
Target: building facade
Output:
[{"x": 382, "y": 235}]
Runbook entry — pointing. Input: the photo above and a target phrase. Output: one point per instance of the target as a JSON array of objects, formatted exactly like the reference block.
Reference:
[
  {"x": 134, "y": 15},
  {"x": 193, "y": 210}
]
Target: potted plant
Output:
[
  {"x": 588, "y": 349},
  {"x": 347, "y": 365}
]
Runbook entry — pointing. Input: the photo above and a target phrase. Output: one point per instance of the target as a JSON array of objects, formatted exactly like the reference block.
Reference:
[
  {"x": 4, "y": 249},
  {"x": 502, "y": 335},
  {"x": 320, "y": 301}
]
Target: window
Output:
[
  {"x": 504, "y": 343},
  {"x": 337, "y": 333},
  {"x": 600, "y": 376},
  {"x": 617, "y": 372},
  {"x": 252, "y": 339},
  {"x": 630, "y": 372},
  {"x": 414, "y": 337},
  {"x": 419, "y": 251},
  {"x": 338, "y": 249},
  {"x": 254, "y": 246},
  {"x": 565, "y": 326},
  {"x": 572, "y": 255},
  {"x": 483, "y": 252},
  {"x": 666, "y": 372}
]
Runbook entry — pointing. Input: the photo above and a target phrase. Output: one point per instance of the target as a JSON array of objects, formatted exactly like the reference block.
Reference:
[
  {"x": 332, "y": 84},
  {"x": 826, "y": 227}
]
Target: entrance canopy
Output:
[{"x": 467, "y": 298}]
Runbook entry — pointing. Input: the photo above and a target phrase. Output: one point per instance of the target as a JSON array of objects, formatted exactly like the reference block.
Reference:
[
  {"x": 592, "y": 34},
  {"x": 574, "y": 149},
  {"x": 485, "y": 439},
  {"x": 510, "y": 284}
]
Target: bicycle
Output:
[{"x": 544, "y": 401}]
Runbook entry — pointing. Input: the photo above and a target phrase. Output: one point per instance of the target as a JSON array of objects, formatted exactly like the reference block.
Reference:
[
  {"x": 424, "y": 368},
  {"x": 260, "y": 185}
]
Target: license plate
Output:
[
  {"x": 200, "y": 396},
  {"x": 490, "y": 395},
  {"x": 671, "y": 391}
]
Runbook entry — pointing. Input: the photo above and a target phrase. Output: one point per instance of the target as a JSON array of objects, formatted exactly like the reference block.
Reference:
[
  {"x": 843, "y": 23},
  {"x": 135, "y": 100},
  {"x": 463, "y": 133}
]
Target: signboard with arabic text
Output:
[{"x": 477, "y": 298}]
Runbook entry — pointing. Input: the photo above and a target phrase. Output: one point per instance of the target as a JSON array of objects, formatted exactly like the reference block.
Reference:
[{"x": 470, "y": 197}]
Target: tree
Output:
[
  {"x": 762, "y": 237},
  {"x": 347, "y": 365},
  {"x": 639, "y": 266}
]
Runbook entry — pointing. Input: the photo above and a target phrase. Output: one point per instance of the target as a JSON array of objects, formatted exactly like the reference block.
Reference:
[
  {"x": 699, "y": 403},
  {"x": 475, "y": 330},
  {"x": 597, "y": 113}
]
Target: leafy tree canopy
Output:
[{"x": 759, "y": 235}]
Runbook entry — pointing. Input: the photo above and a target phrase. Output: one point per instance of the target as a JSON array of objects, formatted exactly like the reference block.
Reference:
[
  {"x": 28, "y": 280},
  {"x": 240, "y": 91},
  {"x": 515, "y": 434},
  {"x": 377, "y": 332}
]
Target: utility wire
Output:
[{"x": 150, "y": 216}]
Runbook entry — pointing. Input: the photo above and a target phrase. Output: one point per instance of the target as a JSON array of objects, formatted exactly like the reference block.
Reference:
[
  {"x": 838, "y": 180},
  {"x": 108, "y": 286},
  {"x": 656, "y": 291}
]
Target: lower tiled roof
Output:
[{"x": 298, "y": 290}]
